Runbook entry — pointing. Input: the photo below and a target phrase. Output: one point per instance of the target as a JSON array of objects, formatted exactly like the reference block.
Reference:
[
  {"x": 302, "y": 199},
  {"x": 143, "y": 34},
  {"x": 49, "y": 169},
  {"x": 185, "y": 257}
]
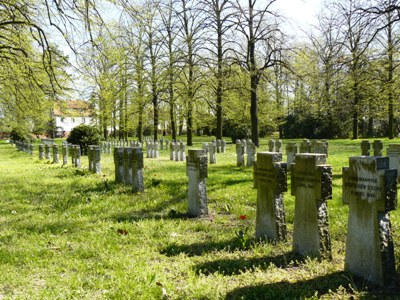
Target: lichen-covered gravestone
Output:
[
  {"x": 96, "y": 154},
  {"x": 47, "y": 151},
  {"x": 291, "y": 151},
  {"x": 196, "y": 170},
  {"x": 365, "y": 147},
  {"x": 278, "y": 146},
  {"x": 378, "y": 147},
  {"x": 171, "y": 151},
  {"x": 218, "y": 143},
  {"x": 370, "y": 190},
  {"x": 305, "y": 146},
  {"x": 312, "y": 187},
  {"x": 41, "y": 151},
  {"x": 127, "y": 162},
  {"x": 239, "y": 154},
  {"x": 182, "y": 148},
  {"x": 137, "y": 170},
  {"x": 271, "y": 181},
  {"x": 77, "y": 155},
  {"x": 212, "y": 148},
  {"x": 251, "y": 153},
  {"x": 119, "y": 164},
  {"x": 65, "y": 154},
  {"x": 223, "y": 146},
  {"x": 271, "y": 145},
  {"x": 55, "y": 154},
  {"x": 393, "y": 152}
]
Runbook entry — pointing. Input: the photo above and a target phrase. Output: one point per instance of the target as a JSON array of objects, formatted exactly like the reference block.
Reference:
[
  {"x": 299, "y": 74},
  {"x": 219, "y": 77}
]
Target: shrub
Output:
[
  {"x": 18, "y": 134},
  {"x": 84, "y": 135}
]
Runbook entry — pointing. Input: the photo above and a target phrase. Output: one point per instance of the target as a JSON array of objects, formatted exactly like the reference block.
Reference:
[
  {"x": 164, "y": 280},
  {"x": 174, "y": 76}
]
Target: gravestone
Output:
[
  {"x": 320, "y": 147},
  {"x": 90, "y": 158},
  {"x": 271, "y": 181},
  {"x": 127, "y": 163},
  {"x": 148, "y": 149},
  {"x": 370, "y": 190},
  {"x": 171, "y": 151},
  {"x": 177, "y": 147},
  {"x": 65, "y": 154},
  {"x": 223, "y": 146},
  {"x": 244, "y": 145},
  {"x": 305, "y": 146},
  {"x": 365, "y": 147},
  {"x": 278, "y": 146},
  {"x": 212, "y": 149},
  {"x": 205, "y": 147},
  {"x": 312, "y": 187},
  {"x": 271, "y": 146},
  {"x": 96, "y": 154},
  {"x": 251, "y": 153},
  {"x": 30, "y": 149},
  {"x": 166, "y": 144},
  {"x": 77, "y": 155},
  {"x": 218, "y": 143},
  {"x": 291, "y": 152},
  {"x": 155, "y": 150},
  {"x": 183, "y": 151},
  {"x": 239, "y": 154},
  {"x": 196, "y": 170},
  {"x": 393, "y": 152},
  {"x": 55, "y": 154},
  {"x": 119, "y": 164},
  {"x": 137, "y": 170},
  {"x": 47, "y": 151},
  {"x": 378, "y": 147},
  {"x": 162, "y": 144},
  {"x": 41, "y": 151}
]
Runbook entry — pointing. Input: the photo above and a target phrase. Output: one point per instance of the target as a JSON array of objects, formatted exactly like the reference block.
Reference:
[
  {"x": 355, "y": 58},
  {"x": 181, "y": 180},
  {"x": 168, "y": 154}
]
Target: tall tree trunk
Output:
[
  {"x": 155, "y": 116},
  {"x": 390, "y": 79}
]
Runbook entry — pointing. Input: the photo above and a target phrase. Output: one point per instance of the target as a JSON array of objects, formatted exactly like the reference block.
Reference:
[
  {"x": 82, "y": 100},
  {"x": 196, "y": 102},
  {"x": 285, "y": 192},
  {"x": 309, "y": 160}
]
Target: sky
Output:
[{"x": 303, "y": 13}]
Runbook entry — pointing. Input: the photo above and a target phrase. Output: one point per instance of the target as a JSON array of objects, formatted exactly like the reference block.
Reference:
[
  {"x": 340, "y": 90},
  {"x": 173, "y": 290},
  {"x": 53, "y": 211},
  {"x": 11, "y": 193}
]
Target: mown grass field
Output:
[{"x": 69, "y": 234}]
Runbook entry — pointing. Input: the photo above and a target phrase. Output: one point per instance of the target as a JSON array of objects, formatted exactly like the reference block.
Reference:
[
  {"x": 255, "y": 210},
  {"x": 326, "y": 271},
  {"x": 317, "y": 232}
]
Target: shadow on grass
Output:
[
  {"x": 136, "y": 216},
  {"x": 230, "y": 267},
  {"x": 298, "y": 290},
  {"x": 340, "y": 283}
]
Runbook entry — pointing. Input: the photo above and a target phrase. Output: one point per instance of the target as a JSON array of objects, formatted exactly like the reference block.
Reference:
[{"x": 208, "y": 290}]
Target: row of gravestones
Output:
[
  {"x": 211, "y": 149},
  {"x": 22, "y": 146},
  {"x": 68, "y": 150},
  {"x": 106, "y": 147},
  {"x": 369, "y": 188},
  {"x": 129, "y": 164},
  {"x": 177, "y": 151}
]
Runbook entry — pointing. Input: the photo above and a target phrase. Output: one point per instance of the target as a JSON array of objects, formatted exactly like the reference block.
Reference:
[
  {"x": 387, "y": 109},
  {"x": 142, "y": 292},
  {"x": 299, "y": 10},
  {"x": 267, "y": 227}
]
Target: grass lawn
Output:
[{"x": 69, "y": 234}]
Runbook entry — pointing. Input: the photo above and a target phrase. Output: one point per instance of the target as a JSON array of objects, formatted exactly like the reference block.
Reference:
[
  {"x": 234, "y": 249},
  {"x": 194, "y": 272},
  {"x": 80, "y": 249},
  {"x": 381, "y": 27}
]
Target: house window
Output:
[
  {"x": 83, "y": 120},
  {"x": 62, "y": 119},
  {"x": 73, "y": 120}
]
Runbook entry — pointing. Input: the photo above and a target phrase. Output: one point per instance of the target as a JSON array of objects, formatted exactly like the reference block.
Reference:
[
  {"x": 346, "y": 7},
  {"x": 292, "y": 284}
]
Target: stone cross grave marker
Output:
[
  {"x": 65, "y": 154},
  {"x": 291, "y": 151},
  {"x": 251, "y": 153},
  {"x": 393, "y": 152},
  {"x": 137, "y": 170},
  {"x": 96, "y": 157},
  {"x": 41, "y": 151},
  {"x": 271, "y": 181},
  {"x": 183, "y": 151},
  {"x": 312, "y": 186},
  {"x": 244, "y": 145},
  {"x": 378, "y": 147},
  {"x": 77, "y": 155},
  {"x": 177, "y": 147},
  {"x": 90, "y": 158},
  {"x": 47, "y": 151},
  {"x": 211, "y": 150},
  {"x": 365, "y": 147},
  {"x": 223, "y": 146},
  {"x": 171, "y": 151},
  {"x": 305, "y": 146},
  {"x": 278, "y": 146},
  {"x": 119, "y": 164},
  {"x": 196, "y": 170},
  {"x": 218, "y": 143},
  {"x": 370, "y": 190},
  {"x": 55, "y": 154},
  {"x": 239, "y": 154},
  {"x": 271, "y": 145},
  {"x": 127, "y": 163}
]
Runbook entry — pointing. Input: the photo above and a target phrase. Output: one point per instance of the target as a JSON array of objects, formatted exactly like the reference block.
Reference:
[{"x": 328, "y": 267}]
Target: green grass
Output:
[{"x": 69, "y": 234}]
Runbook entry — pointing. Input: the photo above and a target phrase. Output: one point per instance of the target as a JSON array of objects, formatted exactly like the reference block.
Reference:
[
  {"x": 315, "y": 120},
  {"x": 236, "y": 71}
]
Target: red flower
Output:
[{"x": 243, "y": 217}]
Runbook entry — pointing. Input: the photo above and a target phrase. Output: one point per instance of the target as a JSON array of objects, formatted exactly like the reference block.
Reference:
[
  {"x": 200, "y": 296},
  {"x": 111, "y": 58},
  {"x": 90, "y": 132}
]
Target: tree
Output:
[{"x": 253, "y": 25}]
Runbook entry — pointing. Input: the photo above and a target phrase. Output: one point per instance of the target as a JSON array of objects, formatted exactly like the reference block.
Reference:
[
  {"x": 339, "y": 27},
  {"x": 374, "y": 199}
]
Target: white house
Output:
[{"x": 70, "y": 114}]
